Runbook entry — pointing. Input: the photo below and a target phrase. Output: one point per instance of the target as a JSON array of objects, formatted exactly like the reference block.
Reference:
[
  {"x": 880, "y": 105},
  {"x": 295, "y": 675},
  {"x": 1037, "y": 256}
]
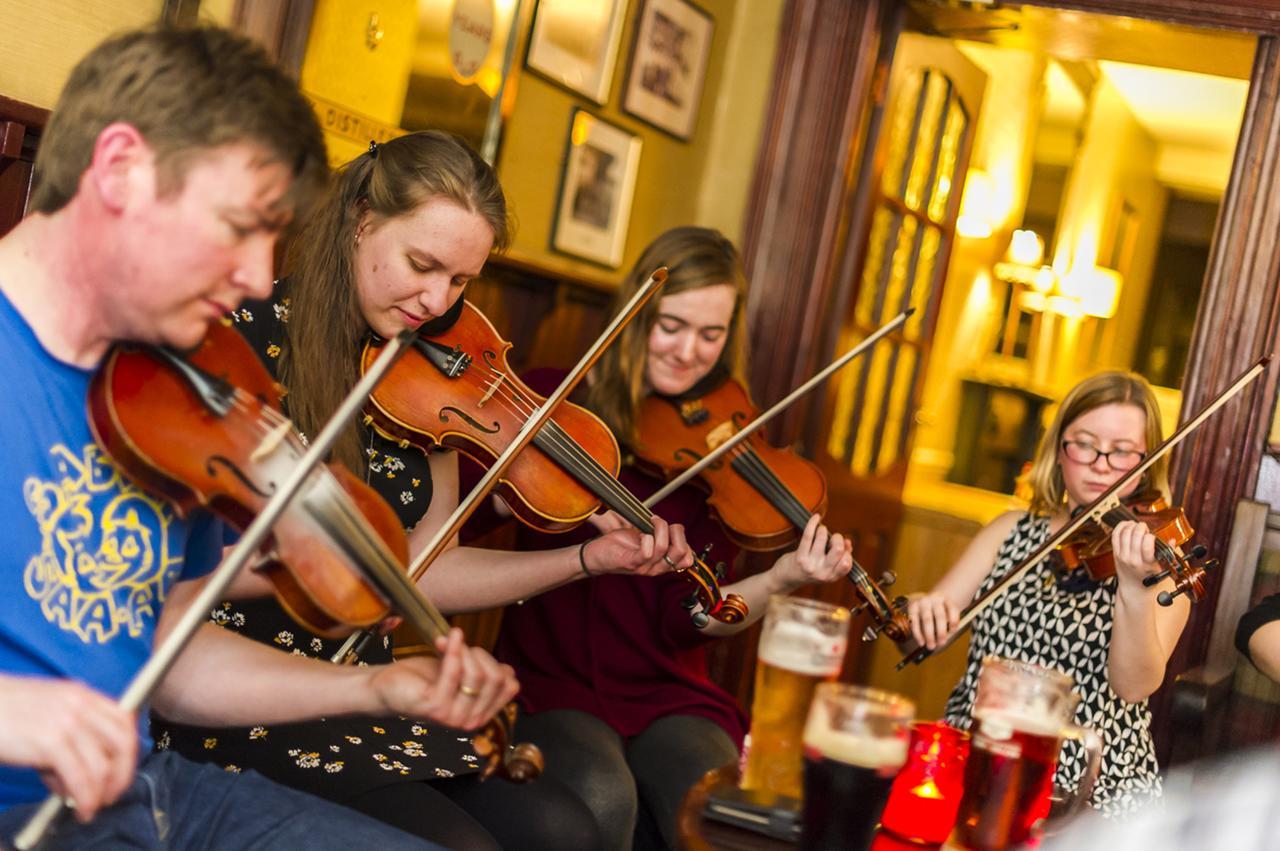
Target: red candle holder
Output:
[{"x": 926, "y": 795}]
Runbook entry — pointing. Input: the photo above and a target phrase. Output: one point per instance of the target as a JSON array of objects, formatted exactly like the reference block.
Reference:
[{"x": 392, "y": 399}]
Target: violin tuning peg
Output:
[
  {"x": 1155, "y": 579},
  {"x": 871, "y": 633},
  {"x": 1211, "y": 564},
  {"x": 706, "y": 552},
  {"x": 888, "y": 578},
  {"x": 700, "y": 619},
  {"x": 690, "y": 602},
  {"x": 900, "y": 602},
  {"x": 719, "y": 570},
  {"x": 1199, "y": 551},
  {"x": 1165, "y": 598}
]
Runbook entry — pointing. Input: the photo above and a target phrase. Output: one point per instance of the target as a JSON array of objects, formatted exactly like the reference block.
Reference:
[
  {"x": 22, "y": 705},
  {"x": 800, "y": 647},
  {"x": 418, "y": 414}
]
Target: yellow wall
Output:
[
  {"x": 41, "y": 42},
  {"x": 671, "y": 171}
]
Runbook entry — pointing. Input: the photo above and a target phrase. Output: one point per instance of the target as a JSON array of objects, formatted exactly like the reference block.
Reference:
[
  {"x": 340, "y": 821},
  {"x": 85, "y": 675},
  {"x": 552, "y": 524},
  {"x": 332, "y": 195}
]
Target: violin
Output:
[
  {"x": 457, "y": 390},
  {"x": 1088, "y": 549},
  {"x": 206, "y": 429},
  {"x": 763, "y": 496}
]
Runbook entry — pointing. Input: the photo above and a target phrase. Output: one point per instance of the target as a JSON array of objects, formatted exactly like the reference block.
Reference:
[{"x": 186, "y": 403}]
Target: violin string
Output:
[
  {"x": 580, "y": 463},
  {"x": 1165, "y": 554}
]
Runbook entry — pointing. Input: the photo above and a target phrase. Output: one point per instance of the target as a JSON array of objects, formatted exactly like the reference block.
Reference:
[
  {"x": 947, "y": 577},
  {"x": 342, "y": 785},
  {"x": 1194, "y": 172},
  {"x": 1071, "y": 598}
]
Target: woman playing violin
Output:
[
  {"x": 614, "y": 674},
  {"x": 1111, "y": 635},
  {"x": 403, "y": 229}
]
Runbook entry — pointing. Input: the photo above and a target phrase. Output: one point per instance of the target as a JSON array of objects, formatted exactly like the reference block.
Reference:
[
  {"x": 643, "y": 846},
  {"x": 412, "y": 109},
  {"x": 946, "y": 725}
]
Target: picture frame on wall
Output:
[
  {"x": 575, "y": 44},
  {"x": 669, "y": 65},
  {"x": 597, "y": 184}
]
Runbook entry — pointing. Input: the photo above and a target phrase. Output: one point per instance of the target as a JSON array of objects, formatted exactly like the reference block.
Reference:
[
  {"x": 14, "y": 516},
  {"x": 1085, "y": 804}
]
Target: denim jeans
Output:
[{"x": 179, "y": 805}]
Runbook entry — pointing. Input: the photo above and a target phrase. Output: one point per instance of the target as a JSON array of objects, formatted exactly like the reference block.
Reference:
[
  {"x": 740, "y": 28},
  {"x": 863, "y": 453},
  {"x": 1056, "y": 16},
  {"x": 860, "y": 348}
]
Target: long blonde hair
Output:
[
  {"x": 1048, "y": 490},
  {"x": 695, "y": 258},
  {"x": 326, "y": 330}
]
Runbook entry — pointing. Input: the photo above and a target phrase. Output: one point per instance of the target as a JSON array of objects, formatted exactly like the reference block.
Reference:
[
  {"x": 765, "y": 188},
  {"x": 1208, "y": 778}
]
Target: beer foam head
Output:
[
  {"x": 803, "y": 648},
  {"x": 863, "y": 749},
  {"x": 1000, "y": 723}
]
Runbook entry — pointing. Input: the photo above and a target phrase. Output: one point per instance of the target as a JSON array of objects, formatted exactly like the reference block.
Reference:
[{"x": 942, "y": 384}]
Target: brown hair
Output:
[
  {"x": 1048, "y": 491},
  {"x": 186, "y": 91},
  {"x": 695, "y": 258},
  {"x": 320, "y": 361}
]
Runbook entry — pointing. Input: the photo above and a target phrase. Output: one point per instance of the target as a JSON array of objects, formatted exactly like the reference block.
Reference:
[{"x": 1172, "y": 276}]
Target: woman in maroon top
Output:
[{"x": 612, "y": 671}]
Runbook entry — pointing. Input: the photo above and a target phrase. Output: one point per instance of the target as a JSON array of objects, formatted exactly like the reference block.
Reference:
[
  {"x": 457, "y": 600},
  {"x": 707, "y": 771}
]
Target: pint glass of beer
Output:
[
  {"x": 802, "y": 644},
  {"x": 855, "y": 742},
  {"x": 1022, "y": 714}
]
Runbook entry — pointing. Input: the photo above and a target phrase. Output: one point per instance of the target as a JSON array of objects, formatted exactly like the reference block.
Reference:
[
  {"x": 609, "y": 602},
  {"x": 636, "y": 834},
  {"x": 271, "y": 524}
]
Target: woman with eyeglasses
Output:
[{"x": 1112, "y": 636}]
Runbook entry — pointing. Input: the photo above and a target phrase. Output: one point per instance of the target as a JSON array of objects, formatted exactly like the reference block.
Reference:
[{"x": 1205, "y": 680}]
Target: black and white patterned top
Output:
[
  {"x": 1039, "y": 622},
  {"x": 339, "y": 757}
]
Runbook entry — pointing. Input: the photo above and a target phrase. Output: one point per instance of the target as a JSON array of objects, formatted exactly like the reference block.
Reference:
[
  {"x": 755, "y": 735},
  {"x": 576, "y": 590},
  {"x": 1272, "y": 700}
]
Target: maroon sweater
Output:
[{"x": 619, "y": 647}]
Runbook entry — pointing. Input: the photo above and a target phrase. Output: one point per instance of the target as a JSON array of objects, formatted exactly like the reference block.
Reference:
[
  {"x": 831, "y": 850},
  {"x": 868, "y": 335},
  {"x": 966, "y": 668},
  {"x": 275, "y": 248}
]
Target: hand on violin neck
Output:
[
  {"x": 1134, "y": 549},
  {"x": 627, "y": 550},
  {"x": 608, "y": 521},
  {"x": 463, "y": 688},
  {"x": 819, "y": 557}
]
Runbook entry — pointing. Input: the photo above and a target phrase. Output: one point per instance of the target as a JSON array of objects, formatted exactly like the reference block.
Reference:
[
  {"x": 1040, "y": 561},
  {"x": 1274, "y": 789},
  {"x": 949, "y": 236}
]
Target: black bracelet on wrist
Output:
[{"x": 582, "y": 558}]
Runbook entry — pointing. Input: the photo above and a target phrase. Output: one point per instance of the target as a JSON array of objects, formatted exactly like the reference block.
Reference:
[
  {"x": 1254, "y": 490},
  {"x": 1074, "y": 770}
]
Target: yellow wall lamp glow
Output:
[
  {"x": 1084, "y": 291},
  {"x": 979, "y": 206}
]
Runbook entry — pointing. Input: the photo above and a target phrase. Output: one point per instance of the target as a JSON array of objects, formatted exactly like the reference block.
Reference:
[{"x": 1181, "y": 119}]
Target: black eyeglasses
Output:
[{"x": 1117, "y": 459}]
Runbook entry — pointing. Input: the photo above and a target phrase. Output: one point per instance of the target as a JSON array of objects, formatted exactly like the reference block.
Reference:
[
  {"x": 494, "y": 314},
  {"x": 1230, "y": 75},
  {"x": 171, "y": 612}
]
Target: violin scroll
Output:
[{"x": 520, "y": 763}]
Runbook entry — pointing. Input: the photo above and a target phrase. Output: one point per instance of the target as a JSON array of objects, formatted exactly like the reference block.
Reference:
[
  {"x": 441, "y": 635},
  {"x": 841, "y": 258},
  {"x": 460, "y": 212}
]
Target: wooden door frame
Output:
[{"x": 832, "y": 62}]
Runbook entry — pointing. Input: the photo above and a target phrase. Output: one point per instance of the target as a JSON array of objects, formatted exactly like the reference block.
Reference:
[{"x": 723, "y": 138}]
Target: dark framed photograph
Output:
[
  {"x": 575, "y": 44},
  {"x": 669, "y": 65},
  {"x": 596, "y": 188}
]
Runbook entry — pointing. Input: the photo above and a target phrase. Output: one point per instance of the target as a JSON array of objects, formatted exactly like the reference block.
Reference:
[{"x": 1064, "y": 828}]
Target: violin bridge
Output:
[
  {"x": 272, "y": 441},
  {"x": 720, "y": 434},
  {"x": 493, "y": 388}
]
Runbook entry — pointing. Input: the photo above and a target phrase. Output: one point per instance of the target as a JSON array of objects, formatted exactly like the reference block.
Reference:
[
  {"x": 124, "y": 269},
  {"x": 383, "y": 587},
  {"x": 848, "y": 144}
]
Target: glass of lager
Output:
[
  {"x": 802, "y": 643},
  {"x": 855, "y": 743},
  {"x": 1022, "y": 714}
]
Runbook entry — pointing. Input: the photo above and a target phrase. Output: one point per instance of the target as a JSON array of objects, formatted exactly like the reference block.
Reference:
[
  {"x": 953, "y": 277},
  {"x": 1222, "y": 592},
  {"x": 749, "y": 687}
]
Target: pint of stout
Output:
[
  {"x": 1021, "y": 716},
  {"x": 802, "y": 644},
  {"x": 855, "y": 743}
]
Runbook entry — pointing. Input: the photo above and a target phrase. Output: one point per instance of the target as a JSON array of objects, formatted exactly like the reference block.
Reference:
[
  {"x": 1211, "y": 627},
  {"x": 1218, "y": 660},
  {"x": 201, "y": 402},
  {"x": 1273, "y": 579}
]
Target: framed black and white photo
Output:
[
  {"x": 669, "y": 65},
  {"x": 575, "y": 44},
  {"x": 596, "y": 188}
]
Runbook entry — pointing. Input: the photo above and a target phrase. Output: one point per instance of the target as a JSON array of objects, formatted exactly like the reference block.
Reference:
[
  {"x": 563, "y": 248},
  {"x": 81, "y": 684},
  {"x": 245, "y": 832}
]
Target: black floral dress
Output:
[{"x": 336, "y": 758}]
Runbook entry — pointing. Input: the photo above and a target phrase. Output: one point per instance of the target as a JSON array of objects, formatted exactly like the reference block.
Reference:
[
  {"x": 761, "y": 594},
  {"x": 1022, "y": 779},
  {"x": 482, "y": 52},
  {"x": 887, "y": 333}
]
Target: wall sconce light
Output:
[
  {"x": 1026, "y": 248},
  {"x": 1022, "y": 265},
  {"x": 1096, "y": 288},
  {"x": 978, "y": 215}
]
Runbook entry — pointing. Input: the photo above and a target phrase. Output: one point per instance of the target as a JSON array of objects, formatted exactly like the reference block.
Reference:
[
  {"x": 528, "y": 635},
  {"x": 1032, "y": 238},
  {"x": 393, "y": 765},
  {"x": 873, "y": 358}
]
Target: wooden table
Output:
[{"x": 698, "y": 833}]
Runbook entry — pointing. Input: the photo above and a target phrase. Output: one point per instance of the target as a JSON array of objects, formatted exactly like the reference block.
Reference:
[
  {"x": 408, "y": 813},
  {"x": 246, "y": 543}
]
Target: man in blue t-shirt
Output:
[{"x": 164, "y": 177}]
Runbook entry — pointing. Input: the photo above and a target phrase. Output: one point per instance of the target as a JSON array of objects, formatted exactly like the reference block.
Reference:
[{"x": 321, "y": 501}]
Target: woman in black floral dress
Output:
[{"x": 404, "y": 228}]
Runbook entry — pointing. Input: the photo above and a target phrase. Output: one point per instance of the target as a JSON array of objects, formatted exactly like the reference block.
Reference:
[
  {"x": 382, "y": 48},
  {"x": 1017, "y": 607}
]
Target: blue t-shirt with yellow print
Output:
[{"x": 86, "y": 558}]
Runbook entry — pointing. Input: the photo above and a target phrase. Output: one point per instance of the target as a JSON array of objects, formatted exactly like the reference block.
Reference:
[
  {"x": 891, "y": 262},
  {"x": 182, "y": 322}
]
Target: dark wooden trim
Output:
[
  {"x": 23, "y": 113},
  {"x": 1236, "y": 323},
  {"x": 826, "y": 66},
  {"x": 281, "y": 26},
  {"x": 180, "y": 13},
  {"x": 1260, "y": 16}
]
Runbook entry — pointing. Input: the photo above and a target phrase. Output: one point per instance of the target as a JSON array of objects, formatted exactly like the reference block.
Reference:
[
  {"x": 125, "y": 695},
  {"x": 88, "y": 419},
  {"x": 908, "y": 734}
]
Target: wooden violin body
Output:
[
  {"x": 745, "y": 493},
  {"x": 458, "y": 391},
  {"x": 763, "y": 496},
  {"x": 227, "y": 450},
  {"x": 1089, "y": 548},
  {"x": 207, "y": 430}
]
